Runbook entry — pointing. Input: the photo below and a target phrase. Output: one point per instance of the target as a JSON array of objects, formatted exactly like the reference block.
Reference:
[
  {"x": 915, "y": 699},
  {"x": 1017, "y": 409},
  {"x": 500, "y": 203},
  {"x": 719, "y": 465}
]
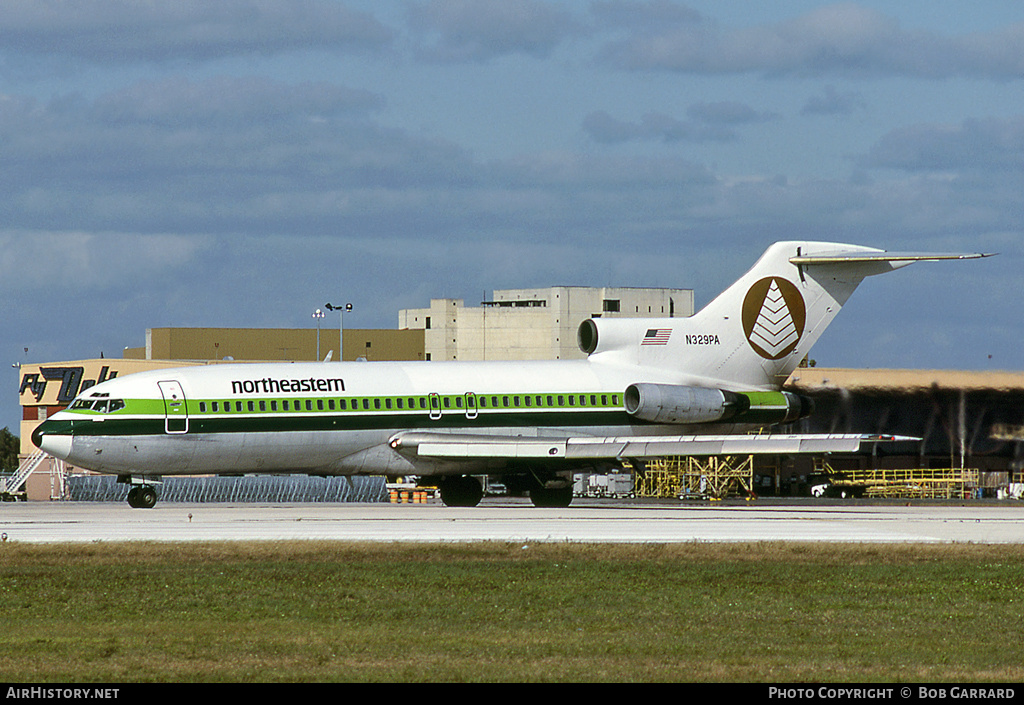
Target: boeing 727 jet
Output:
[{"x": 649, "y": 388}]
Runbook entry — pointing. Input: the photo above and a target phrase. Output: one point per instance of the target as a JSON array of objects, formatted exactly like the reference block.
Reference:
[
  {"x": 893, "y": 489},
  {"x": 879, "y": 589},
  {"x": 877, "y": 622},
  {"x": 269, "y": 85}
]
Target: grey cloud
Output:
[
  {"x": 728, "y": 112},
  {"x": 709, "y": 122},
  {"x": 480, "y": 30},
  {"x": 640, "y": 15},
  {"x": 120, "y": 31},
  {"x": 250, "y": 99},
  {"x": 833, "y": 102},
  {"x": 991, "y": 145},
  {"x": 843, "y": 39},
  {"x": 603, "y": 128}
]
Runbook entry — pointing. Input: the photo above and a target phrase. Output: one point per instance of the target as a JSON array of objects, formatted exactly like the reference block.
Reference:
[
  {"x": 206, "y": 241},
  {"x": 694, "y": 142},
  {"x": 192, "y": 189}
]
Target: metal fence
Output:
[{"x": 254, "y": 488}]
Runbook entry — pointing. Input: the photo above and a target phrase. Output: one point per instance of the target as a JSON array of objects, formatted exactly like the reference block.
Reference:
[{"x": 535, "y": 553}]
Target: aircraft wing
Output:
[{"x": 470, "y": 446}]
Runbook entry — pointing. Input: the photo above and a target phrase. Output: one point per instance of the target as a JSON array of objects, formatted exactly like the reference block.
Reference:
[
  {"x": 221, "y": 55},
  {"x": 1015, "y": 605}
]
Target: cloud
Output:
[
  {"x": 990, "y": 145},
  {"x": 215, "y": 155},
  {"x": 37, "y": 261},
  {"x": 842, "y": 39},
  {"x": 123, "y": 31},
  {"x": 709, "y": 122},
  {"x": 481, "y": 30},
  {"x": 833, "y": 102}
]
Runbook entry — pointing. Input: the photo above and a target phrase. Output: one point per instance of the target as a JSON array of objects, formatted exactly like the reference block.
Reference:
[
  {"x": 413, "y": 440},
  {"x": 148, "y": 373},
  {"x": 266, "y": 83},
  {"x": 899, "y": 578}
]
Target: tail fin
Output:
[
  {"x": 754, "y": 334},
  {"x": 776, "y": 311}
]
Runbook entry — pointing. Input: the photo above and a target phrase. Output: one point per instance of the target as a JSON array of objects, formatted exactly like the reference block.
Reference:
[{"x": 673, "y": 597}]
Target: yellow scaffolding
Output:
[
  {"x": 709, "y": 477},
  {"x": 920, "y": 483}
]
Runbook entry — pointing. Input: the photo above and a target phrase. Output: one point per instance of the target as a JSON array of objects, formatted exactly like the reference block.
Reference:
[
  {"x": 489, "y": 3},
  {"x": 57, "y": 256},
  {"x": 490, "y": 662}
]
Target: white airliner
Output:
[{"x": 649, "y": 388}]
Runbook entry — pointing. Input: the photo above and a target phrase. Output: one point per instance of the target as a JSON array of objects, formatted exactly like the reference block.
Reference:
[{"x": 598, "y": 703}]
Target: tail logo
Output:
[{"x": 774, "y": 315}]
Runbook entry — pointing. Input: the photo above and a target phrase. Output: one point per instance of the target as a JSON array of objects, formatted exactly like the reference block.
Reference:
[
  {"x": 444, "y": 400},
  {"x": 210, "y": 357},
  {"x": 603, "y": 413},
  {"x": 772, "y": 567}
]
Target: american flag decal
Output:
[{"x": 656, "y": 336}]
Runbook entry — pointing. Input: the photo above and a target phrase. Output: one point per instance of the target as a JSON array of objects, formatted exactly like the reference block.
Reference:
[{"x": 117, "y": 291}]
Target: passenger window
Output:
[
  {"x": 273, "y": 404},
  {"x": 319, "y": 404},
  {"x": 202, "y": 407}
]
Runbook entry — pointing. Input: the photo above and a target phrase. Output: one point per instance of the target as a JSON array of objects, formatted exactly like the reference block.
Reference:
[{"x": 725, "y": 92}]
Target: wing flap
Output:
[{"x": 468, "y": 446}]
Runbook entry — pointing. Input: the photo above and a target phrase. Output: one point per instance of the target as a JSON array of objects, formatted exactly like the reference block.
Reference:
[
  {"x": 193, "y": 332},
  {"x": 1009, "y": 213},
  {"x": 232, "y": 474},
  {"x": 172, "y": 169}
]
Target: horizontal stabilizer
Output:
[
  {"x": 881, "y": 256},
  {"x": 454, "y": 446}
]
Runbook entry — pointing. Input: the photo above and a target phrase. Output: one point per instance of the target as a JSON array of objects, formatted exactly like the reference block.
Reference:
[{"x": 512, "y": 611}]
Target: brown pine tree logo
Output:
[{"x": 774, "y": 315}]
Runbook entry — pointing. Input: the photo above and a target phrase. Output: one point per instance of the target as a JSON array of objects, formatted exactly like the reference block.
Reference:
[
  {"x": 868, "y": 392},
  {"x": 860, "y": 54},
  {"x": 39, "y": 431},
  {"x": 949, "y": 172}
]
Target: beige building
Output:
[
  {"x": 533, "y": 324},
  {"x": 247, "y": 344}
]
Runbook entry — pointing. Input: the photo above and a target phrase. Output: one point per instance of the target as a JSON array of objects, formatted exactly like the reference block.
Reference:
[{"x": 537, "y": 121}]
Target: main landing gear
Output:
[
  {"x": 141, "y": 495},
  {"x": 461, "y": 491},
  {"x": 554, "y": 497},
  {"x": 466, "y": 491}
]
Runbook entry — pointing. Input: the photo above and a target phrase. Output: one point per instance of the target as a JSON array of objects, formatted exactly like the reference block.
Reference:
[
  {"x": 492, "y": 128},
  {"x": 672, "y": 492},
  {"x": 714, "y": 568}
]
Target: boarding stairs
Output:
[{"x": 11, "y": 486}]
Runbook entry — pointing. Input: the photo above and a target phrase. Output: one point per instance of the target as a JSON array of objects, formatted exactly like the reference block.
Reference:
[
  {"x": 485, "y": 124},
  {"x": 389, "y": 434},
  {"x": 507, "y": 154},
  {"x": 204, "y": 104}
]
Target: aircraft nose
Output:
[{"x": 53, "y": 438}]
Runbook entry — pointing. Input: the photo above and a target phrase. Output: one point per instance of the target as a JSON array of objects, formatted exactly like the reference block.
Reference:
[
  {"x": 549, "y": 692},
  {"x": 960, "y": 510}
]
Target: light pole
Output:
[
  {"x": 341, "y": 326},
  {"x": 318, "y": 314}
]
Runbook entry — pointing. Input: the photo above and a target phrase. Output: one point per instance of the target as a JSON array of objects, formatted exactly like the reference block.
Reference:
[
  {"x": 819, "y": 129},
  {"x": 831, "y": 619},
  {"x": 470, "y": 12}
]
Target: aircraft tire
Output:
[
  {"x": 558, "y": 498},
  {"x": 142, "y": 497},
  {"x": 461, "y": 491}
]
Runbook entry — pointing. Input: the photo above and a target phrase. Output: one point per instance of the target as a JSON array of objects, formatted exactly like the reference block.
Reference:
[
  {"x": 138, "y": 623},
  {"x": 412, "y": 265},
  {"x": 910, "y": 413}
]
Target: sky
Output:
[{"x": 244, "y": 162}]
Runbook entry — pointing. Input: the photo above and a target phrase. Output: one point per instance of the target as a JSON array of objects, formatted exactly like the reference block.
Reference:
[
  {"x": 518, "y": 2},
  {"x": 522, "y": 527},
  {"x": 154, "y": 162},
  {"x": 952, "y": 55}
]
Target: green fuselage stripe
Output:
[{"x": 338, "y": 421}]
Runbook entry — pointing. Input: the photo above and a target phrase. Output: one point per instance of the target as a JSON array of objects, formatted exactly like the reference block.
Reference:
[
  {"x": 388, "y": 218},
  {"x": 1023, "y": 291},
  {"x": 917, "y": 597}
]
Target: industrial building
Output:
[
  {"x": 276, "y": 344},
  {"x": 533, "y": 324}
]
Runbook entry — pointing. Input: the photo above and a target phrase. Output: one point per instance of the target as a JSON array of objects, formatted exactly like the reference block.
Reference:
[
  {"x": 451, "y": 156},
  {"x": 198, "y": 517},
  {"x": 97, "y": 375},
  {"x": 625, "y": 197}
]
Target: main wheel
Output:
[
  {"x": 559, "y": 497},
  {"x": 461, "y": 491}
]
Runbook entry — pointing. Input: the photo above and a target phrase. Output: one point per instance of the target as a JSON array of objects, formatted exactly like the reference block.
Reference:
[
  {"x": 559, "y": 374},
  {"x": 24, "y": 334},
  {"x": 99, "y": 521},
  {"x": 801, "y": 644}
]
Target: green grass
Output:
[{"x": 324, "y": 611}]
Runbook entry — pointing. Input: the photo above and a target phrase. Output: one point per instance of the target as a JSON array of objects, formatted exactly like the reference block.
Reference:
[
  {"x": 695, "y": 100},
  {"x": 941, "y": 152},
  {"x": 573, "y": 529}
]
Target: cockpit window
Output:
[{"x": 103, "y": 406}]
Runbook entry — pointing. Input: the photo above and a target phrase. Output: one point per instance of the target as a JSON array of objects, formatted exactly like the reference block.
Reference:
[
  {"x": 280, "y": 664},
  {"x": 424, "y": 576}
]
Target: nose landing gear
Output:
[{"x": 142, "y": 497}]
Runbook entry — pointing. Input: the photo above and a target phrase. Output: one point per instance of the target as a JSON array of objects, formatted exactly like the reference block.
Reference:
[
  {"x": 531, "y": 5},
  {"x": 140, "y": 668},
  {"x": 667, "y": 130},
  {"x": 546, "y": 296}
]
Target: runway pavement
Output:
[{"x": 516, "y": 520}]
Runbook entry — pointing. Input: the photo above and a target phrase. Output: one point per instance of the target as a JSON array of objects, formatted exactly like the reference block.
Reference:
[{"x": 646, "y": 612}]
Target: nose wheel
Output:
[{"x": 142, "y": 497}]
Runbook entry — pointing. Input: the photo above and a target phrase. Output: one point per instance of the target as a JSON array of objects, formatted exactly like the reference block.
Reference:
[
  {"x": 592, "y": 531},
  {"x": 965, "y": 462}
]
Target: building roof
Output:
[{"x": 822, "y": 378}]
